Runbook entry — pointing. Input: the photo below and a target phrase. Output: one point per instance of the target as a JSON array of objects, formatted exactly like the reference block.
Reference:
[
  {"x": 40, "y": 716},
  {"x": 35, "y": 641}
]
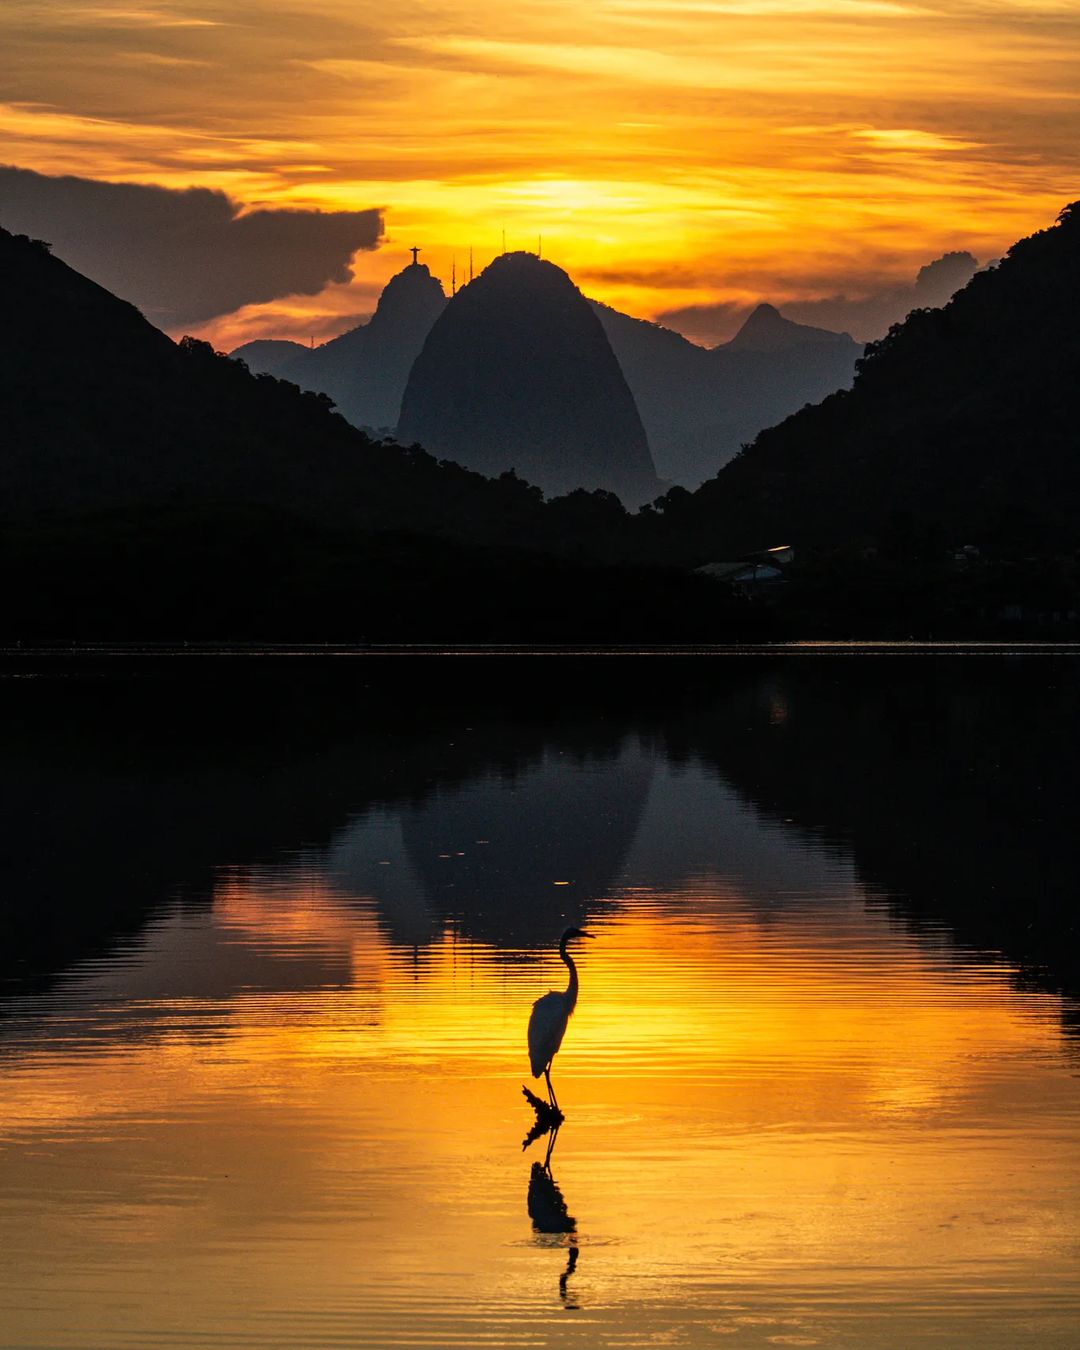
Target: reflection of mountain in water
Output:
[
  {"x": 695, "y": 826},
  {"x": 513, "y": 859},
  {"x": 510, "y": 858},
  {"x": 565, "y": 821},
  {"x": 948, "y": 784},
  {"x": 119, "y": 795}
]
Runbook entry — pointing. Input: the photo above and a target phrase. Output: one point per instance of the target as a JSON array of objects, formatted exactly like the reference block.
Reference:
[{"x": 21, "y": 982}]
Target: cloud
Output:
[
  {"x": 122, "y": 16},
  {"x": 707, "y": 324},
  {"x": 184, "y": 256},
  {"x": 907, "y": 138},
  {"x": 866, "y": 316},
  {"x": 869, "y": 316}
]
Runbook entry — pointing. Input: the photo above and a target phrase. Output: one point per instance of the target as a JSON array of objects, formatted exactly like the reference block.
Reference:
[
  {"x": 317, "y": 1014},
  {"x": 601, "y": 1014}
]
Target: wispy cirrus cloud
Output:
[{"x": 126, "y": 16}]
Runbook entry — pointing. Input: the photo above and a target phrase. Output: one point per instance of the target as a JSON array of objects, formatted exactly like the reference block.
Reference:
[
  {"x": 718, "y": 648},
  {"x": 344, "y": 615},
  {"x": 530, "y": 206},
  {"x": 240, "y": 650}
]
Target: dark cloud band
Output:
[{"x": 184, "y": 256}]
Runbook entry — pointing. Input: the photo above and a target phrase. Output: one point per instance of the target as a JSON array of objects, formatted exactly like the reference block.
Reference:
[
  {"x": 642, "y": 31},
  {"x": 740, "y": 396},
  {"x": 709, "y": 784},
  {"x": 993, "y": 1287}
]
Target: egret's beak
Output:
[{"x": 590, "y": 936}]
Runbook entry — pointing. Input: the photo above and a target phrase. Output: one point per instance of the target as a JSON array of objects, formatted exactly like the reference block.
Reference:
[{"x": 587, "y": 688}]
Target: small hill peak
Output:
[
  {"x": 764, "y": 315},
  {"x": 411, "y": 295},
  {"x": 766, "y": 330}
]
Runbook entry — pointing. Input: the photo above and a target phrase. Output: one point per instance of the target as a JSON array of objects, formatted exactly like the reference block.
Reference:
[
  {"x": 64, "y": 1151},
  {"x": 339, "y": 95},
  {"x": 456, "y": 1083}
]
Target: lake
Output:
[{"x": 274, "y": 937}]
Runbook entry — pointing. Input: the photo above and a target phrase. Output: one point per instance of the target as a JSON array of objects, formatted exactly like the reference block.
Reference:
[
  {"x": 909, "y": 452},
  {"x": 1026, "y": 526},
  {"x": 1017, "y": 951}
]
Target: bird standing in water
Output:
[{"x": 550, "y": 1014}]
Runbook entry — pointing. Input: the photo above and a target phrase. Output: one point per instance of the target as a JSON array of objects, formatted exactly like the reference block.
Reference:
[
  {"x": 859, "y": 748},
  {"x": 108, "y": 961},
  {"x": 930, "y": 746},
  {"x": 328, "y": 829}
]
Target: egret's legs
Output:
[
  {"x": 551, "y": 1144},
  {"x": 551, "y": 1090}
]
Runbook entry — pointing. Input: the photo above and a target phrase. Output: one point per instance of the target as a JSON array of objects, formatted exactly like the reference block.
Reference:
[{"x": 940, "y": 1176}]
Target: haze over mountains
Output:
[
  {"x": 364, "y": 370},
  {"x": 698, "y": 407},
  {"x": 867, "y": 313}
]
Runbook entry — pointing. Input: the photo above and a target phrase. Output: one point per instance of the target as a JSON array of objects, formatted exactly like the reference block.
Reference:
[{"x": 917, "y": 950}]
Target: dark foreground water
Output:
[{"x": 272, "y": 942}]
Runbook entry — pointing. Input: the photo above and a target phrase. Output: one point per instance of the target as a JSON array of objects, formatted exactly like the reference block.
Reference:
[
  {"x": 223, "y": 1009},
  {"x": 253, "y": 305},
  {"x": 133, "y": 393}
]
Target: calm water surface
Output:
[{"x": 814, "y": 1095}]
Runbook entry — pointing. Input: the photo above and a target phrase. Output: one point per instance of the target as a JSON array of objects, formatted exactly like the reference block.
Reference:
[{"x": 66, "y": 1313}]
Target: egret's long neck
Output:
[{"x": 571, "y": 988}]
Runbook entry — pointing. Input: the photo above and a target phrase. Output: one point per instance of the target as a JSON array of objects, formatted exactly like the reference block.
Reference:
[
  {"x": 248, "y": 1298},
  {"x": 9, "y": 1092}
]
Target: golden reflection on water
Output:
[{"x": 270, "y": 1125}]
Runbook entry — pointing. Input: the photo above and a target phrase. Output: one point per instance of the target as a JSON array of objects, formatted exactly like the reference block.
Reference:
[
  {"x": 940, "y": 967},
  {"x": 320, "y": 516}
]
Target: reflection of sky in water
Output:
[
  {"x": 293, "y": 1118},
  {"x": 521, "y": 860}
]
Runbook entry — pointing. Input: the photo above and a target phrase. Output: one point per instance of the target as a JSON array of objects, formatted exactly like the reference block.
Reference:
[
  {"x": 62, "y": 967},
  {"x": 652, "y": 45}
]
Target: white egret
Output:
[{"x": 550, "y": 1014}]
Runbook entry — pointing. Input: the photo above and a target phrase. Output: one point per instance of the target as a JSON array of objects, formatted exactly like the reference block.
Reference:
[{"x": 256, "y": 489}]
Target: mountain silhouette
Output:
[
  {"x": 102, "y": 410},
  {"x": 271, "y": 356},
  {"x": 517, "y": 373},
  {"x": 364, "y": 370},
  {"x": 159, "y": 489},
  {"x": 961, "y": 428},
  {"x": 700, "y": 406},
  {"x": 766, "y": 330}
]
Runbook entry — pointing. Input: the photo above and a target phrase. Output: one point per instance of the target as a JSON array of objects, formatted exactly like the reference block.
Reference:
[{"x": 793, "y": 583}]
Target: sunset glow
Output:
[{"x": 699, "y": 153}]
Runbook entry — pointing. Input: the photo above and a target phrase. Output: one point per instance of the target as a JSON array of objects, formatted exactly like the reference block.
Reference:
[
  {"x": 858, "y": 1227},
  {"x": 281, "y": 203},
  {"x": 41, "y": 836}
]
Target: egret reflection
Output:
[
  {"x": 547, "y": 1122},
  {"x": 546, "y": 1203}
]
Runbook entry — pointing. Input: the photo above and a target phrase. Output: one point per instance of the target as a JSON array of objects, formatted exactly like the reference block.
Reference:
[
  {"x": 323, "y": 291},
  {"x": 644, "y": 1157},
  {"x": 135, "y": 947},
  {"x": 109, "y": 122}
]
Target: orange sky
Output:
[{"x": 671, "y": 152}]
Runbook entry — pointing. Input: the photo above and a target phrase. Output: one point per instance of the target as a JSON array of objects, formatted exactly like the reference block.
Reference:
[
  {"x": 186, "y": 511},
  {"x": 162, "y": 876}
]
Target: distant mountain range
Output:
[
  {"x": 151, "y": 486},
  {"x": 698, "y": 406},
  {"x": 154, "y": 488}
]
